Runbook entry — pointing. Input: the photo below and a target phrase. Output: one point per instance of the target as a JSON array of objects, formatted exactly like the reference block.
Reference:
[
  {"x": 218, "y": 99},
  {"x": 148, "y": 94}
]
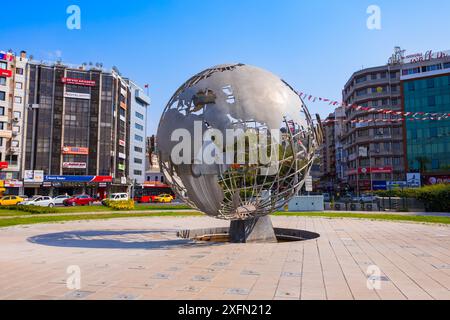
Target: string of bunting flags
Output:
[{"x": 402, "y": 116}]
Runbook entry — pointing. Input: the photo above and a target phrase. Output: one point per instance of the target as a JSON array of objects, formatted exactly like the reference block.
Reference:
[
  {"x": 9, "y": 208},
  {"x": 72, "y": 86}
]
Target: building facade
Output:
[
  {"x": 137, "y": 136},
  {"x": 426, "y": 89},
  {"x": 13, "y": 83},
  {"x": 373, "y": 147},
  {"x": 372, "y": 150}
]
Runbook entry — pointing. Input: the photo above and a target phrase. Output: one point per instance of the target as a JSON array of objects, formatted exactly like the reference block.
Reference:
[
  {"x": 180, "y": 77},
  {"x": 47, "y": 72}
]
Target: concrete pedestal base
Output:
[{"x": 251, "y": 231}]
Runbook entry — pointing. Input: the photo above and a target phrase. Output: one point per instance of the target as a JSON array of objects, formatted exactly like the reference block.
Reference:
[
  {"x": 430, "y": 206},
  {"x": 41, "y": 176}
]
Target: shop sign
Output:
[
  {"x": 13, "y": 184},
  {"x": 77, "y": 95},
  {"x": 121, "y": 167},
  {"x": 122, "y": 143},
  {"x": 33, "y": 176},
  {"x": 4, "y": 165},
  {"x": 122, "y": 156},
  {"x": 5, "y": 73},
  {"x": 379, "y": 185},
  {"x": 74, "y": 165},
  {"x": 414, "y": 180},
  {"x": 78, "y": 82},
  {"x": 81, "y": 179},
  {"x": 75, "y": 151},
  {"x": 432, "y": 180},
  {"x": 375, "y": 170}
]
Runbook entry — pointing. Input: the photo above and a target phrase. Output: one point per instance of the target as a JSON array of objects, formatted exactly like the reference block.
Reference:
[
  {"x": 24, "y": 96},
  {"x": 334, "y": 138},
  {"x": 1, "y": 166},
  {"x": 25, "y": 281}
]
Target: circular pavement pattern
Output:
[{"x": 141, "y": 258}]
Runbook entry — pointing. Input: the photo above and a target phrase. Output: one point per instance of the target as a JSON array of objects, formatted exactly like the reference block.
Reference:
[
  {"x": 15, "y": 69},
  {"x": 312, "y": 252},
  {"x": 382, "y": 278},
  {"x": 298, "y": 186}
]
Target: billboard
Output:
[
  {"x": 74, "y": 165},
  {"x": 78, "y": 82},
  {"x": 5, "y": 73},
  {"x": 414, "y": 180},
  {"x": 33, "y": 176},
  {"x": 77, "y": 95},
  {"x": 75, "y": 151}
]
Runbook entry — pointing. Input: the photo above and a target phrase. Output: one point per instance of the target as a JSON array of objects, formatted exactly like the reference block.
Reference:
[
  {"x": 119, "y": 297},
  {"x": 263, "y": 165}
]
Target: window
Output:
[
  {"x": 137, "y": 172},
  {"x": 15, "y": 144},
  {"x": 2, "y": 111},
  {"x": 2, "y": 126},
  {"x": 430, "y": 83},
  {"x": 383, "y": 75},
  {"x": 17, "y": 99},
  {"x": 139, "y": 115},
  {"x": 138, "y": 138},
  {"x": 435, "y": 164},
  {"x": 2, "y": 96},
  {"x": 433, "y": 132},
  {"x": 19, "y": 85},
  {"x": 361, "y": 79},
  {"x": 19, "y": 71},
  {"x": 3, "y": 65},
  {"x": 138, "y": 161},
  {"x": 411, "y": 86},
  {"x": 2, "y": 81},
  {"x": 432, "y": 101},
  {"x": 17, "y": 114},
  {"x": 16, "y": 129},
  {"x": 137, "y": 149},
  {"x": 139, "y": 127},
  {"x": 373, "y": 76},
  {"x": 393, "y": 75},
  {"x": 394, "y": 101},
  {"x": 447, "y": 65}
]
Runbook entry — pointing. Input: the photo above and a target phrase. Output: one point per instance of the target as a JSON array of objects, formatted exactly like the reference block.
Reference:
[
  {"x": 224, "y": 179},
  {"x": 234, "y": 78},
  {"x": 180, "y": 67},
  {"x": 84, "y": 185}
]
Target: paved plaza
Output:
[{"x": 141, "y": 258}]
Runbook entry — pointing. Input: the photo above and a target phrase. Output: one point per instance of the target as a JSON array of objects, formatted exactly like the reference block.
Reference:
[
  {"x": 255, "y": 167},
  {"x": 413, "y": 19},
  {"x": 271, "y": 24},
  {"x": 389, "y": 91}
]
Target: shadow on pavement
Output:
[{"x": 125, "y": 239}]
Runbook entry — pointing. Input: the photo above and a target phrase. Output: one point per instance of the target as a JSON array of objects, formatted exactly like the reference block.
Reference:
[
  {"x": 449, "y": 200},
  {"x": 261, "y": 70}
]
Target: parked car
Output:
[
  {"x": 368, "y": 198},
  {"x": 10, "y": 200},
  {"x": 164, "y": 198},
  {"x": 80, "y": 200},
  {"x": 117, "y": 197},
  {"x": 39, "y": 201},
  {"x": 59, "y": 200}
]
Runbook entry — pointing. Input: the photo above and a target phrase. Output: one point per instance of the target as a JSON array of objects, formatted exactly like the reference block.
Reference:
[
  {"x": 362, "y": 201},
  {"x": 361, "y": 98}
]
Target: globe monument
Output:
[{"x": 236, "y": 142}]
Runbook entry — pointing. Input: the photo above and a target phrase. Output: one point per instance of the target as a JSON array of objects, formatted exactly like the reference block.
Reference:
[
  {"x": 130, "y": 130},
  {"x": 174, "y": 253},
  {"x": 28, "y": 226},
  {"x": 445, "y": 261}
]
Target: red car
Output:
[
  {"x": 81, "y": 200},
  {"x": 145, "y": 199}
]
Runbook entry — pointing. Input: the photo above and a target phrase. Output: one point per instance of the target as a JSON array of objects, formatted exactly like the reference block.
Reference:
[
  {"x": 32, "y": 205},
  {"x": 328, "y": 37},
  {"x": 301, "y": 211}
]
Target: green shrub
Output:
[
  {"x": 120, "y": 205},
  {"x": 435, "y": 198},
  {"x": 30, "y": 209}
]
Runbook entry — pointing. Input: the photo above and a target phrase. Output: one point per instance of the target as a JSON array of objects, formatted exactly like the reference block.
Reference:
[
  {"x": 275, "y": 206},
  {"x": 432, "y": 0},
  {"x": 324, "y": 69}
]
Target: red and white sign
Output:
[
  {"x": 427, "y": 56},
  {"x": 122, "y": 143},
  {"x": 375, "y": 170},
  {"x": 74, "y": 165},
  {"x": 5, "y": 73},
  {"x": 79, "y": 82},
  {"x": 4, "y": 165},
  {"x": 13, "y": 184},
  {"x": 75, "y": 151}
]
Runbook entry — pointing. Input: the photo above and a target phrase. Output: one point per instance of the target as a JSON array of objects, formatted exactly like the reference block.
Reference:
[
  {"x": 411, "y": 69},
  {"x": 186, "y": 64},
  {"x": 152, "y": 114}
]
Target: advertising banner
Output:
[
  {"x": 74, "y": 165},
  {"x": 78, "y": 82},
  {"x": 75, "y": 151},
  {"x": 414, "y": 180},
  {"x": 81, "y": 179},
  {"x": 77, "y": 95},
  {"x": 5, "y": 73}
]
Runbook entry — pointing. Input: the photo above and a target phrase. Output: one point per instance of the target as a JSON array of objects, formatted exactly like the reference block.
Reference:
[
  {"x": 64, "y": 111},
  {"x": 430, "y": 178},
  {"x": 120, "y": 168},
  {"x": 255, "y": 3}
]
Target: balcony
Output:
[{"x": 7, "y": 134}]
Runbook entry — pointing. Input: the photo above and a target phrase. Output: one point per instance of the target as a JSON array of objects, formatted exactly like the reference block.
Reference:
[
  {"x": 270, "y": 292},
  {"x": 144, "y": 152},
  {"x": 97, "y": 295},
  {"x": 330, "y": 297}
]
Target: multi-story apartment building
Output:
[
  {"x": 372, "y": 150},
  {"x": 12, "y": 105},
  {"x": 328, "y": 155},
  {"x": 377, "y": 148},
  {"x": 137, "y": 136}
]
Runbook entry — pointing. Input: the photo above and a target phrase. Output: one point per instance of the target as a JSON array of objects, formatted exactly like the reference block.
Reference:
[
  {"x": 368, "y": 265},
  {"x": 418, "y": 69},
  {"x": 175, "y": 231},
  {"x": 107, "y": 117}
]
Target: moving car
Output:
[
  {"x": 59, "y": 200},
  {"x": 39, "y": 201},
  {"x": 117, "y": 197},
  {"x": 80, "y": 200},
  {"x": 10, "y": 200},
  {"x": 163, "y": 198}
]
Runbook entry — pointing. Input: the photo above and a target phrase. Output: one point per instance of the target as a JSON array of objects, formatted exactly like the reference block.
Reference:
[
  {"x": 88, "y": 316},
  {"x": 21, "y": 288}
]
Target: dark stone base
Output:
[{"x": 252, "y": 231}]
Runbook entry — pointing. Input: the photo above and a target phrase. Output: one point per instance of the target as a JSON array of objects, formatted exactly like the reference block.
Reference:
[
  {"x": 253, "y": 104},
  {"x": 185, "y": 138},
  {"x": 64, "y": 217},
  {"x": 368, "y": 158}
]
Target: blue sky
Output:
[{"x": 314, "y": 45}]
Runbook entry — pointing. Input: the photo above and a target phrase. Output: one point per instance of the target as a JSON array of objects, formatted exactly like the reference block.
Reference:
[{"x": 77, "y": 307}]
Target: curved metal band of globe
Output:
[{"x": 236, "y": 96}]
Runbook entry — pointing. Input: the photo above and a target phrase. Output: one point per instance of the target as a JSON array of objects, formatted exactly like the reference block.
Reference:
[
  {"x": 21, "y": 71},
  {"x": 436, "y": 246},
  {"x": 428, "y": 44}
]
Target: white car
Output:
[
  {"x": 59, "y": 200},
  {"x": 39, "y": 201}
]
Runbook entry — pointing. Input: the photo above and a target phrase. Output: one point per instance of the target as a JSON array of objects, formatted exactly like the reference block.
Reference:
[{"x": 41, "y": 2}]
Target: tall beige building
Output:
[{"x": 13, "y": 84}]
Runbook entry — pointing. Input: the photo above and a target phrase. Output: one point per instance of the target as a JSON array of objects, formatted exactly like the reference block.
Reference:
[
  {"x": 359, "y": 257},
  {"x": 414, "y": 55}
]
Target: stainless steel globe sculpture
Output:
[{"x": 259, "y": 108}]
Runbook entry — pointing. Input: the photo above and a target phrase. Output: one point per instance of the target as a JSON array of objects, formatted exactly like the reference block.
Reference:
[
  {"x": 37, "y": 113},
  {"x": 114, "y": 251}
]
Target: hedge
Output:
[
  {"x": 435, "y": 198},
  {"x": 120, "y": 205},
  {"x": 31, "y": 209}
]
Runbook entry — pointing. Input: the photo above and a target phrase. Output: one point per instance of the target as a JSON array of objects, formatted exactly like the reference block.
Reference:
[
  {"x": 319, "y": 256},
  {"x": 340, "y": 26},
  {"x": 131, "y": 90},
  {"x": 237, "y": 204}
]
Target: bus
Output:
[{"x": 149, "y": 190}]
